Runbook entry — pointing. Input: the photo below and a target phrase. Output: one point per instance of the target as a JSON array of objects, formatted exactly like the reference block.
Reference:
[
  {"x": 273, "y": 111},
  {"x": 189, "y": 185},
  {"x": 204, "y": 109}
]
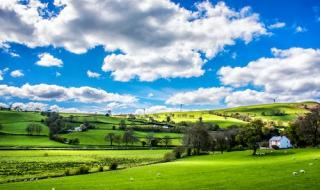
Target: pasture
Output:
[
  {"x": 234, "y": 170},
  {"x": 32, "y": 164}
]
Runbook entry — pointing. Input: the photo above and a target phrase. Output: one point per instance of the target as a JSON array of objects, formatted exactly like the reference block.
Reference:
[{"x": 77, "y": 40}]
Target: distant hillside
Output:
[{"x": 278, "y": 113}]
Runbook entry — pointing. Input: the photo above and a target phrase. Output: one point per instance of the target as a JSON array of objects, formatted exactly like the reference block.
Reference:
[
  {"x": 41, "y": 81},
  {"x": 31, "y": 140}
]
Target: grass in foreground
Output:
[{"x": 235, "y": 170}]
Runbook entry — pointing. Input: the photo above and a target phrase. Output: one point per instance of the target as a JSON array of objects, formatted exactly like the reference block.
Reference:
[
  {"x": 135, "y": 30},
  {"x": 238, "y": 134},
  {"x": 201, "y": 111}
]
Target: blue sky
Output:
[{"x": 75, "y": 56}]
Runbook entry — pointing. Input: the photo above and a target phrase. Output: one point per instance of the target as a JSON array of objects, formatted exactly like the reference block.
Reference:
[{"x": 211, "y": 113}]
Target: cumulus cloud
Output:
[
  {"x": 157, "y": 39},
  {"x": 30, "y": 106},
  {"x": 292, "y": 74},
  {"x": 3, "y": 105},
  {"x": 56, "y": 108},
  {"x": 277, "y": 25},
  {"x": 93, "y": 74},
  {"x": 17, "y": 73},
  {"x": 155, "y": 109},
  {"x": 45, "y": 92},
  {"x": 202, "y": 96},
  {"x": 47, "y": 60}
]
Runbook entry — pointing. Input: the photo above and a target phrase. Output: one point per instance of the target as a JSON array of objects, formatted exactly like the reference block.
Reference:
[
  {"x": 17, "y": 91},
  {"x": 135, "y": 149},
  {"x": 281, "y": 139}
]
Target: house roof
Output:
[{"x": 276, "y": 138}]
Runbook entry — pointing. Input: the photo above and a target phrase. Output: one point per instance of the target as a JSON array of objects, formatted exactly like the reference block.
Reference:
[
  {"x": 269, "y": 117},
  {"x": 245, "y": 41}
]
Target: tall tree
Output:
[
  {"x": 55, "y": 123},
  {"x": 166, "y": 140},
  {"x": 110, "y": 138},
  {"x": 122, "y": 125},
  {"x": 127, "y": 137},
  {"x": 251, "y": 135},
  {"x": 197, "y": 138},
  {"x": 308, "y": 126}
]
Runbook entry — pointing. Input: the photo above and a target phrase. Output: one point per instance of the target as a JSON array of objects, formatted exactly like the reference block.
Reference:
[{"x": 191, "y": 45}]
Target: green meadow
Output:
[{"x": 234, "y": 170}]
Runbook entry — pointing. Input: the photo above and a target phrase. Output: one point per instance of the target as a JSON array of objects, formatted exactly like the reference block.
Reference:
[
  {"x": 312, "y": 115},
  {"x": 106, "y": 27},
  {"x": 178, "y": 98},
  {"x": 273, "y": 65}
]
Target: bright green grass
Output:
[
  {"x": 20, "y": 128},
  {"x": 254, "y": 111},
  {"x": 22, "y": 164},
  {"x": 96, "y": 137},
  {"x": 193, "y": 116},
  {"x": 235, "y": 170},
  {"x": 291, "y": 109},
  {"x": 22, "y": 140},
  {"x": 12, "y": 116}
]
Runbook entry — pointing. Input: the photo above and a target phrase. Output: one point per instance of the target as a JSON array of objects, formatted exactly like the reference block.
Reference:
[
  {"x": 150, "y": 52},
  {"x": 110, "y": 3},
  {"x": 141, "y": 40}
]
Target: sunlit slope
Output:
[{"x": 226, "y": 117}]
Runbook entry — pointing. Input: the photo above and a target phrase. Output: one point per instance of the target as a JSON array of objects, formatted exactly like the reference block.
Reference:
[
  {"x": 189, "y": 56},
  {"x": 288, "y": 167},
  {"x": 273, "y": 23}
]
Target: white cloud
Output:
[
  {"x": 2, "y": 72},
  {"x": 150, "y": 95},
  {"x": 251, "y": 97},
  {"x": 58, "y": 74},
  {"x": 291, "y": 75},
  {"x": 158, "y": 39},
  {"x": 17, "y": 73},
  {"x": 155, "y": 109},
  {"x": 45, "y": 92},
  {"x": 277, "y": 25},
  {"x": 30, "y": 106},
  {"x": 47, "y": 60},
  {"x": 92, "y": 74},
  {"x": 299, "y": 29},
  {"x": 202, "y": 96},
  {"x": 56, "y": 108},
  {"x": 3, "y": 105}
]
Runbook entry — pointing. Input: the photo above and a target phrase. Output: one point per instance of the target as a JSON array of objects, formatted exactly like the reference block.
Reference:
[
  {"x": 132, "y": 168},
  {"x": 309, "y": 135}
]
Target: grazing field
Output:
[
  {"x": 234, "y": 170},
  {"x": 32, "y": 164}
]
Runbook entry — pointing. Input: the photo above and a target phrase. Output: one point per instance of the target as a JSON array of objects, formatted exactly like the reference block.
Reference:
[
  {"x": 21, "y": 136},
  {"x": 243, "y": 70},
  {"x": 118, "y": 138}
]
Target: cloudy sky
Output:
[{"x": 130, "y": 55}]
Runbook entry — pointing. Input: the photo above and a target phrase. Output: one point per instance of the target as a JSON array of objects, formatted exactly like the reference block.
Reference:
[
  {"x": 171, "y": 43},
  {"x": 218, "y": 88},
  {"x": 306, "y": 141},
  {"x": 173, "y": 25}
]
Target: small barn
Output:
[{"x": 279, "y": 142}]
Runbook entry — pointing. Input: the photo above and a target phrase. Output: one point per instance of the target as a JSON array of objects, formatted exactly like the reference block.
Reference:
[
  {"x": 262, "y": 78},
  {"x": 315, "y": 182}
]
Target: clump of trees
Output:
[
  {"x": 275, "y": 112},
  {"x": 305, "y": 130},
  {"x": 55, "y": 123},
  {"x": 34, "y": 129}
]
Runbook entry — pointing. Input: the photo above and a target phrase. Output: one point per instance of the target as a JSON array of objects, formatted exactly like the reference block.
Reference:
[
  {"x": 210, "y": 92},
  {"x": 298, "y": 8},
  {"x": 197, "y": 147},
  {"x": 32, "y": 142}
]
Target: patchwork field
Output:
[
  {"x": 36, "y": 164},
  {"x": 225, "y": 117},
  {"x": 235, "y": 170}
]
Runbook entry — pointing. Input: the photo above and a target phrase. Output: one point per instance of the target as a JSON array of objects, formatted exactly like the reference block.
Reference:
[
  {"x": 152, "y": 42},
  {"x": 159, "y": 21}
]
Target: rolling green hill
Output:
[
  {"x": 230, "y": 116},
  {"x": 13, "y": 131}
]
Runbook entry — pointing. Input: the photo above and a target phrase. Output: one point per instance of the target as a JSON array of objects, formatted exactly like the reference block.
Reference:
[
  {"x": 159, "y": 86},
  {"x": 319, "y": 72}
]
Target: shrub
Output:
[
  {"x": 83, "y": 170},
  {"x": 178, "y": 151},
  {"x": 113, "y": 166},
  {"x": 67, "y": 172},
  {"x": 46, "y": 154},
  {"x": 100, "y": 169},
  {"x": 169, "y": 156}
]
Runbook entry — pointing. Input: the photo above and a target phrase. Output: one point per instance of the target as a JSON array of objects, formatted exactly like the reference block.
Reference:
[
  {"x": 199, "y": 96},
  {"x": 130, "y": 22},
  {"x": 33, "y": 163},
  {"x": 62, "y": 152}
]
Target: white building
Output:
[{"x": 280, "y": 141}]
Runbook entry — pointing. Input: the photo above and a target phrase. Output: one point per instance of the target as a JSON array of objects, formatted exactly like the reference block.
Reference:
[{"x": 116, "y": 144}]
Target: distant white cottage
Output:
[{"x": 280, "y": 142}]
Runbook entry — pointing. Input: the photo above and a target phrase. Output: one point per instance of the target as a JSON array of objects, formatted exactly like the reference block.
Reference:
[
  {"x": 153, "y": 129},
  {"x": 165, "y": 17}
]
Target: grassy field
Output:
[
  {"x": 27, "y": 164},
  {"x": 292, "y": 110},
  {"x": 234, "y": 170}
]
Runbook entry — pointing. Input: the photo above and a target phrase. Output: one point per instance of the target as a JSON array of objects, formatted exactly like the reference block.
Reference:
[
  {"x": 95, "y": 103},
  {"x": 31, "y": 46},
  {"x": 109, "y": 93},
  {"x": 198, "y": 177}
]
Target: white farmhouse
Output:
[{"x": 280, "y": 141}]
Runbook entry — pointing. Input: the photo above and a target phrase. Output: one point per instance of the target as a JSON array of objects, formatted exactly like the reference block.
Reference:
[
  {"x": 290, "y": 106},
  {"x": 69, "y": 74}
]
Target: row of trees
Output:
[
  {"x": 128, "y": 137},
  {"x": 34, "y": 129}
]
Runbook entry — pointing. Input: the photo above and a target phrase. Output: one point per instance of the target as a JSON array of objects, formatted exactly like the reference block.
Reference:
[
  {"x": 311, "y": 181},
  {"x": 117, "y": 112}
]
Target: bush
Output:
[
  {"x": 46, "y": 154},
  {"x": 178, "y": 151},
  {"x": 275, "y": 147},
  {"x": 67, "y": 172},
  {"x": 82, "y": 170},
  {"x": 100, "y": 169},
  {"x": 169, "y": 156},
  {"x": 113, "y": 166}
]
